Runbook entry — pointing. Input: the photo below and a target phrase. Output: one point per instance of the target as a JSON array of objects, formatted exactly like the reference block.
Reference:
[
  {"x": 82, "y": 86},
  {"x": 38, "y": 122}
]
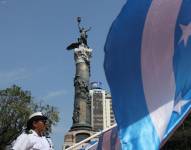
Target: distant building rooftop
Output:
[{"x": 96, "y": 85}]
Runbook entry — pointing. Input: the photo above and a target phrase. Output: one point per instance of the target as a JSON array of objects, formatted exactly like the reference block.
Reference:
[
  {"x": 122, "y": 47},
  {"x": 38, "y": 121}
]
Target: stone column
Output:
[{"x": 82, "y": 105}]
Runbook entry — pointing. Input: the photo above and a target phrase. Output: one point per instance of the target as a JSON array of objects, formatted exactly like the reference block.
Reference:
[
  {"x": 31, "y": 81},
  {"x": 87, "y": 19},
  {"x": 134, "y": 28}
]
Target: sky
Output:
[{"x": 34, "y": 35}]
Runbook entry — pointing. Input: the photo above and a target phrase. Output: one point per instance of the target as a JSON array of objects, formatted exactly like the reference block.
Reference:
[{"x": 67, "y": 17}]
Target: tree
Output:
[{"x": 15, "y": 107}]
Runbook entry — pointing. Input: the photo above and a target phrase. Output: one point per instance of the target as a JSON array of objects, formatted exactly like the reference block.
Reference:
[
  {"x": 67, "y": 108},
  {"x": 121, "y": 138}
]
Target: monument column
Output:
[
  {"x": 81, "y": 126},
  {"x": 82, "y": 106}
]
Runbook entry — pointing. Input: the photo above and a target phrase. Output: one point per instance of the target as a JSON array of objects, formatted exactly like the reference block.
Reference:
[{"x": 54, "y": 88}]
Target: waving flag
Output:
[
  {"x": 148, "y": 68},
  {"x": 109, "y": 140}
]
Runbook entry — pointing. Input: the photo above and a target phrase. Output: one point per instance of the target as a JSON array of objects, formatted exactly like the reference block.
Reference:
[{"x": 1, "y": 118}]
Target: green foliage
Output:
[{"x": 15, "y": 107}]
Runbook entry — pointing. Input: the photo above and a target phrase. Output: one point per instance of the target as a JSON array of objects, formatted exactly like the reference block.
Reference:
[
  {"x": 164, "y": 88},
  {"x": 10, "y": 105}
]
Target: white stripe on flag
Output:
[{"x": 157, "y": 61}]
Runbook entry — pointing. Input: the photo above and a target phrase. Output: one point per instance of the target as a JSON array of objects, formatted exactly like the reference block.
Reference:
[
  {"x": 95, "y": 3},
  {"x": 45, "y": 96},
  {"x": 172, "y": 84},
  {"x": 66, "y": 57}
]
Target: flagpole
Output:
[{"x": 91, "y": 137}]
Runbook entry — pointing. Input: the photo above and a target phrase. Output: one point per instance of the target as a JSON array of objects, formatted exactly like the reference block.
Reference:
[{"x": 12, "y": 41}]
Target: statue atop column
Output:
[
  {"x": 82, "y": 104},
  {"x": 83, "y": 33},
  {"x": 82, "y": 40}
]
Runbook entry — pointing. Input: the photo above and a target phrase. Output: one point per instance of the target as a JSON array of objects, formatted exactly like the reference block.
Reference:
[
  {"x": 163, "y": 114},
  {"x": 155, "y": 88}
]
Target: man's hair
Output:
[{"x": 34, "y": 119}]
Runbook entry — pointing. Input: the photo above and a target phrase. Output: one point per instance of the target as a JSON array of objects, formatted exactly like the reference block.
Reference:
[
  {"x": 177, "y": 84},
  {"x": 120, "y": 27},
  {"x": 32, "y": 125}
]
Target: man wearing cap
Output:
[{"x": 33, "y": 138}]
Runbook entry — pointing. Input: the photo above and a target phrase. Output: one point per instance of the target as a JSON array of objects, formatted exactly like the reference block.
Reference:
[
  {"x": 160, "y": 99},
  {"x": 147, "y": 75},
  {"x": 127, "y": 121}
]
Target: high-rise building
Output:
[{"x": 102, "y": 115}]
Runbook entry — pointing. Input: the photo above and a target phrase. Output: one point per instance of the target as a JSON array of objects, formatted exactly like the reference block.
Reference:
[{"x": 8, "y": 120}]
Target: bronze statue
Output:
[
  {"x": 83, "y": 33},
  {"x": 82, "y": 40}
]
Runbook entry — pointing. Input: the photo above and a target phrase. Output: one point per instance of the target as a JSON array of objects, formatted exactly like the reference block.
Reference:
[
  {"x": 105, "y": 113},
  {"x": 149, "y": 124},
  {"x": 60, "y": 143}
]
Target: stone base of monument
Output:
[
  {"x": 76, "y": 127},
  {"x": 76, "y": 136}
]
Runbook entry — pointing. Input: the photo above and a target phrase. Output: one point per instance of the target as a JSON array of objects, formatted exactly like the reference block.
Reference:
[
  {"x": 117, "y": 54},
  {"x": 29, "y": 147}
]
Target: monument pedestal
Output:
[{"x": 75, "y": 136}]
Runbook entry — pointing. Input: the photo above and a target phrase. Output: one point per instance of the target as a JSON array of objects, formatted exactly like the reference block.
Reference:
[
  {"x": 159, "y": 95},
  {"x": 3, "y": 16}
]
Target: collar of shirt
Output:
[{"x": 34, "y": 133}]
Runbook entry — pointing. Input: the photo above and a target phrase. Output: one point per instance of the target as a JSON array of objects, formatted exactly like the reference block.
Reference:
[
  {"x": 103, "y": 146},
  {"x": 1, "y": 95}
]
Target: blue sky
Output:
[{"x": 34, "y": 35}]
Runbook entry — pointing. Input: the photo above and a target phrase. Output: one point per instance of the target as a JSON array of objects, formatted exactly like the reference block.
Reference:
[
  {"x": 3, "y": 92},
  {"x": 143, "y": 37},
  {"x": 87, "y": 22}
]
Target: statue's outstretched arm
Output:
[
  {"x": 88, "y": 29},
  {"x": 79, "y": 20},
  {"x": 79, "y": 27}
]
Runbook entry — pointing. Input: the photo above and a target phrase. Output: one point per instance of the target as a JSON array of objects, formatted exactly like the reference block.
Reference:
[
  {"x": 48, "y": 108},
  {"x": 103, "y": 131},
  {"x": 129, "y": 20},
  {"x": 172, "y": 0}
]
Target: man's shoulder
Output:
[
  {"x": 22, "y": 135},
  {"x": 25, "y": 134}
]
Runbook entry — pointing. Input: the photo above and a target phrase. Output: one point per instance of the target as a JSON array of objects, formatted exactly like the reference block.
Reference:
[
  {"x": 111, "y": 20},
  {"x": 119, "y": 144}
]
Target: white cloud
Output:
[
  {"x": 54, "y": 94},
  {"x": 13, "y": 75}
]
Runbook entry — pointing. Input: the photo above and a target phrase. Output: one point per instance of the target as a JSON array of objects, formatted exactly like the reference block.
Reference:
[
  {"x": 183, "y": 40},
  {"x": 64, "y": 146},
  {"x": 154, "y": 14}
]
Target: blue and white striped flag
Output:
[
  {"x": 148, "y": 68},
  {"x": 109, "y": 140}
]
